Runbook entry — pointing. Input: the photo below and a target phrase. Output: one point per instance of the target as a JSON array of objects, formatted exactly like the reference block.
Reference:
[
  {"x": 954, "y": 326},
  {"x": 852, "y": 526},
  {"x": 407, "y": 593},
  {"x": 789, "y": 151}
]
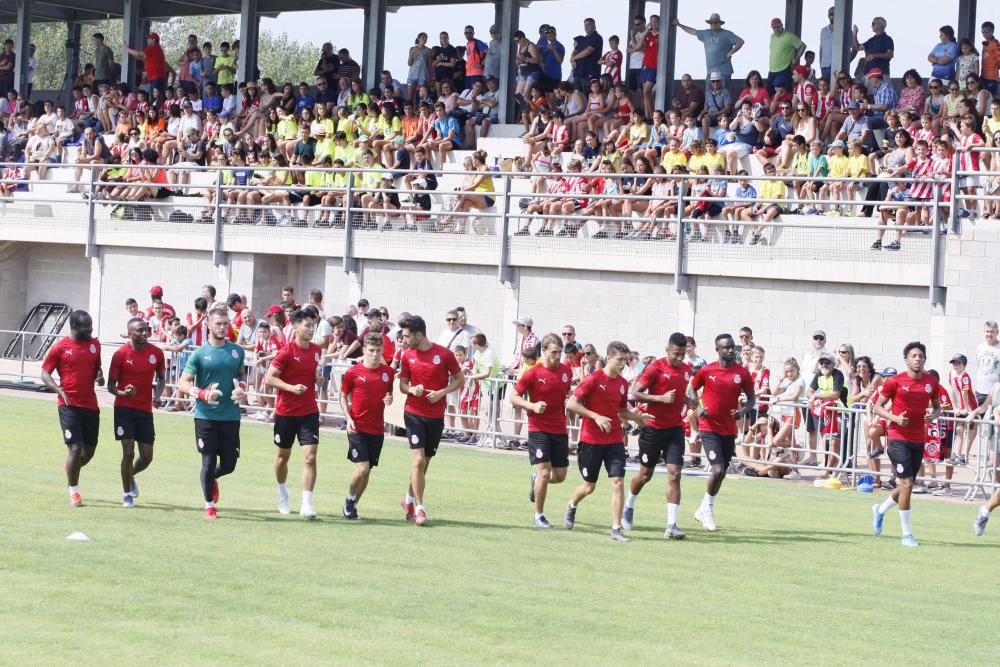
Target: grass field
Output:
[{"x": 793, "y": 576}]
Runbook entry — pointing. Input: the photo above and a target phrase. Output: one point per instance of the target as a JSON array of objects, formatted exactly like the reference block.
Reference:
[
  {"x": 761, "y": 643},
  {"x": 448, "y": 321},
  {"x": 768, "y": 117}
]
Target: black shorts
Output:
[
  {"x": 946, "y": 439},
  {"x": 812, "y": 423},
  {"x": 906, "y": 457},
  {"x": 548, "y": 448},
  {"x": 364, "y": 447},
  {"x": 632, "y": 79},
  {"x": 718, "y": 448},
  {"x": 305, "y": 428},
  {"x": 132, "y": 424},
  {"x": 654, "y": 442},
  {"x": 423, "y": 432},
  {"x": 80, "y": 426},
  {"x": 213, "y": 436},
  {"x": 591, "y": 457}
]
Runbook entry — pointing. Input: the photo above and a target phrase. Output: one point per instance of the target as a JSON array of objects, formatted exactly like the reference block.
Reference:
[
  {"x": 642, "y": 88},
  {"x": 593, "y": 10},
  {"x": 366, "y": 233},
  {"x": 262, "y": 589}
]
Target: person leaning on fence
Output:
[{"x": 767, "y": 210}]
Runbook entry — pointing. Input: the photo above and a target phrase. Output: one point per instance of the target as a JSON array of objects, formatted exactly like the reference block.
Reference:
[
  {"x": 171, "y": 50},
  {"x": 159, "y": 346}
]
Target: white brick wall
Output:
[
  {"x": 57, "y": 273},
  {"x": 13, "y": 284}
]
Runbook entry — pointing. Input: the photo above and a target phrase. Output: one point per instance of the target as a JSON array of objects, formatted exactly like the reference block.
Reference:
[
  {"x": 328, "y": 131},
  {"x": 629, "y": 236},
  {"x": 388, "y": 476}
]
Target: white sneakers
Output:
[{"x": 706, "y": 517}]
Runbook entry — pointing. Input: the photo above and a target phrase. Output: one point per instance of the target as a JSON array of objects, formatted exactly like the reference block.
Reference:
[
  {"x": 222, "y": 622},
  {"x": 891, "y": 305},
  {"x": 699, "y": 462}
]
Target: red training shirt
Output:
[
  {"x": 912, "y": 396},
  {"x": 156, "y": 63},
  {"x": 551, "y": 386},
  {"x": 298, "y": 366},
  {"x": 77, "y": 362},
  {"x": 137, "y": 368},
  {"x": 723, "y": 387},
  {"x": 432, "y": 369},
  {"x": 606, "y": 396},
  {"x": 367, "y": 388},
  {"x": 657, "y": 379},
  {"x": 651, "y": 53}
]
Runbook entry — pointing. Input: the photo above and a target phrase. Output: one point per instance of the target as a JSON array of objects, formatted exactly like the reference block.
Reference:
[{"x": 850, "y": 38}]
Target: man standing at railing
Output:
[
  {"x": 542, "y": 392},
  {"x": 911, "y": 393},
  {"x": 364, "y": 395},
  {"x": 77, "y": 359},
  {"x": 722, "y": 383},
  {"x": 293, "y": 373},
  {"x": 428, "y": 373},
  {"x": 216, "y": 378},
  {"x": 663, "y": 388},
  {"x": 136, "y": 380}
]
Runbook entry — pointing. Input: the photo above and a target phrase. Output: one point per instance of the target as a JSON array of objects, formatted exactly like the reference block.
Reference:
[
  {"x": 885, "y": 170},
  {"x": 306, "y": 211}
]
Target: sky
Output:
[{"x": 914, "y": 36}]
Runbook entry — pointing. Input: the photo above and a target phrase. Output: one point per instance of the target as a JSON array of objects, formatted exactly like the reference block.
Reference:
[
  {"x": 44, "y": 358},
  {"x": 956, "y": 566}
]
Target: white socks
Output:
[
  {"x": 351, "y": 498},
  {"x": 708, "y": 501},
  {"x": 983, "y": 511},
  {"x": 209, "y": 504},
  {"x": 282, "y": 491},
  {"x": 904, "y": 519},
  {"x": 673, "y": 509},
  {"x": 420, "y": 508},
  {"x": 307, "y": 498},
  {"x": 886, "y": 505},
  {"x": 74, "y": 489},
  {"x": 409, "y": 499},
  {"x": 630, "y": 500}
]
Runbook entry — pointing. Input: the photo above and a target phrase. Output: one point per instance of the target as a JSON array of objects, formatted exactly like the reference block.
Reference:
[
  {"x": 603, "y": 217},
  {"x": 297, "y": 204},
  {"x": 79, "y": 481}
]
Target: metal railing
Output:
[{"x": 353, "y": 217}]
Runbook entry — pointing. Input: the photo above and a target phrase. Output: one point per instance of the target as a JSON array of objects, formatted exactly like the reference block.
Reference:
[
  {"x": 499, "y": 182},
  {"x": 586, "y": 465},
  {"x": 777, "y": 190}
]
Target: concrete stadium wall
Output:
[{"x": 13, "y": 284}]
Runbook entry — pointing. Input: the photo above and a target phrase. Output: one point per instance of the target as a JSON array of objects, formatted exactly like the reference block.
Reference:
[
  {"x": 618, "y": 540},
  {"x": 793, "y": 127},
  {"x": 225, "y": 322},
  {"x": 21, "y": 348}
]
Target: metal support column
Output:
[
  {"x": 793, "y": 17},
  {"x": 131, "y": 36},
  {"x": 967, "y": 21},
  {"x": 664, "y": 91},
  {"x": 843, "y": 16},
  {"x": 246, "y": 68},
  {"x": 510, "y": 14},
  {"x": 374, "y": 51},
  {"x": 22, "y": 39},
  {"x": 351, "y": 263},
  {"x": 682, "y": 281},
  {"x": 218, "y": 256},
  {"x": 91, "y": 250},
  {"x": 937, "y": 290},
  {"x": 72, "y": 56},
  {"x": 505, "y": 273}
]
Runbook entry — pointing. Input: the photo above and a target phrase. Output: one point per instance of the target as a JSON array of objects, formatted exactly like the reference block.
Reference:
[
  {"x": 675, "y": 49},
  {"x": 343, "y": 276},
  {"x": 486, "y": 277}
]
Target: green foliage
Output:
[
  {"x": 279, "y": 57},
  {"x": 793, "y": 576}
]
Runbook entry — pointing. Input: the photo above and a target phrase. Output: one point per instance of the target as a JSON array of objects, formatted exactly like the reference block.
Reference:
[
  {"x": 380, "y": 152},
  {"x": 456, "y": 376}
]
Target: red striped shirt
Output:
[{"x": 922, "y": 169}]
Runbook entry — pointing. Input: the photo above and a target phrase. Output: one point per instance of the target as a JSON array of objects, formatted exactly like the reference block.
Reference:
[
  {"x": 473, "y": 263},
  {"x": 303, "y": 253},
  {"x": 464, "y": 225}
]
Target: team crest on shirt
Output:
[
  {"x": 93, "y": 349},
  {"x": 437, "y": 359},
  {"x": 687, "y": 376},
  {"x": 235, "y": 355},
  {"x": 277, "y": 439},
  {"x": 565, "y": 378},
  {"x": 120, "y": 431},
  {"x": 736, "y": 379},
  {"x": 621, "y": 389},
  {"x": 317, "y": 357},
  {"x": 927, "y": 388},
  {"x": 385, "y": 377},
  {"x": 152, "y": 359}
]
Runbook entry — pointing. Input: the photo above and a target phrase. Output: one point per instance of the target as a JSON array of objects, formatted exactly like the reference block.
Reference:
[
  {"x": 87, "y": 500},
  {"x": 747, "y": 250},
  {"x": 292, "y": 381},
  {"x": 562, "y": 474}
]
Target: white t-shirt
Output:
[
  {"x": 452, "y": 339},
  {"x": 810, "y": 360},
  {"x": 786, "y": 390},
  {"x": 987, "y": 368},
  {"x": 635, "y": 59},
  {"x": 322, "y": 331}
]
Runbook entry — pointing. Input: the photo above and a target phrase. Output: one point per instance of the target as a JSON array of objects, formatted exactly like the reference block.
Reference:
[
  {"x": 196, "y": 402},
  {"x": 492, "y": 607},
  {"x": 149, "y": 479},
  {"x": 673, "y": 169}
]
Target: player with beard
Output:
[
  {"x": 77, "y": 360},
  {"x": 721, "y": 383}
]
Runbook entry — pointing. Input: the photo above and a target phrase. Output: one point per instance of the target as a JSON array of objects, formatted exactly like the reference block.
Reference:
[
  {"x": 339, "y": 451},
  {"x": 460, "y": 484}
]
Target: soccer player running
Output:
[
  {"x": 428, "y": 372},
  {"x": 663, "y": 388},
  {"x": 602, "y": 400},
  {"x": 216, "y": 378},
  {"x": 77, "y": 360},
  {"x": 542, "y": 392},
  {"x": 911, "y": 393},
  {"x": 721, "y": 383},
  {"x": 136, "y": 380},
  {"x": 364, "y": 394},
  {"x": 294, "y": 373}
]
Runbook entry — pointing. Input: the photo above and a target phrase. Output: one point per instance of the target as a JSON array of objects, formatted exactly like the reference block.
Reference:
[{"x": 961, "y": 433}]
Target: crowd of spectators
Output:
[
  {"x": 597, "y": 127},
  {"x": 811, "y": 408}
]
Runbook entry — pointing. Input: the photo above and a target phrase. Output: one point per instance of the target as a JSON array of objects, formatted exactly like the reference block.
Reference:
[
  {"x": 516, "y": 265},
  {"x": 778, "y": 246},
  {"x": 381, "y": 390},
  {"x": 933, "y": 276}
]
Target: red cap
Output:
[
  {"x": 874, "y": 71},
  {"x": 155, "y": 290},
  {"x": 775, "y": 23},
  {"x": 153, "y": 35},
  {"x": 804, "y": 71},
  {"x": 273, "y": 310}
]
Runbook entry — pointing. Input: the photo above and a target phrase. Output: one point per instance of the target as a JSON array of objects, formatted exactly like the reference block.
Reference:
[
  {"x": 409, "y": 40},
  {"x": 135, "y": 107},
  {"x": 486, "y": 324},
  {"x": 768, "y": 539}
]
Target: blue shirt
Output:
[
  {"x": 717, "y": 45},
  {"x": 210, "y": 365},
  {"x": 878, "y": 44},
  {"x": 945, "y": 72},
  {"x": 885, "y": 94},
  {"x": 587, "y": 67},
  {"x": 551, "y": 67},
  {"x": 211, "y": 103},
  {"x": 744, "y": 194},
  {"x": 449, "y": 124},
  {"x": 303, "y": 102}
]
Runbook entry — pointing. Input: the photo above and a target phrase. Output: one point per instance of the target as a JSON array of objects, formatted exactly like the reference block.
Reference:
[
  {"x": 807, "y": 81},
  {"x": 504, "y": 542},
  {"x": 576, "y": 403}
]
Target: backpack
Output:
[
  {"x": 432, "y": 181},
  {"x": 180, "y": 216}
]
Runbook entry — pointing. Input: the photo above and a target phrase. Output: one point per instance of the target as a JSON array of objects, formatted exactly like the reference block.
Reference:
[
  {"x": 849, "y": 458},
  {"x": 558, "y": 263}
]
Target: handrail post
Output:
[
  {"x": 351, "y": 263},
  {"x": 681, "y": 282},
  {"x": 937, "y": 249},
  {"x": 91, "y": 251},
  {"x": 505, "y": 273},
  {"x": 218, "y": 257}
]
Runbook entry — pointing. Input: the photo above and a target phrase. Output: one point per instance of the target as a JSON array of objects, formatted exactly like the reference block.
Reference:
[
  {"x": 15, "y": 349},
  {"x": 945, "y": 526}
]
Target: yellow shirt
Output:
[
  {"x": 715, "y": 161},
  {"x": 346, "y": 125},
  {"x": 324, "y": 147},
  {"x": 327, "y": 124},
  {"x": 288, "y": 129},
  {"x": 857, "y": 166},
  {"x": 345, "y": 153},
  {"x": 638, "y": 134},
  {"x": 671, "y": 160},
  {"x": 837, "y": 165},
  {"x": 389, "y": 129},
  {"x": 315, "y": 179},
  {"x": 336, "y": 180},
  {"x": 696, "y": 162},
  {"x": 487, "y": 184},
  {"x": 772, "y": 190}
]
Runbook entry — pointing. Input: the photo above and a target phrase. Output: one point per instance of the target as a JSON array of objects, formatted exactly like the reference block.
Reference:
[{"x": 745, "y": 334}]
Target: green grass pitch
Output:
[{"x": 793, "y": 576}]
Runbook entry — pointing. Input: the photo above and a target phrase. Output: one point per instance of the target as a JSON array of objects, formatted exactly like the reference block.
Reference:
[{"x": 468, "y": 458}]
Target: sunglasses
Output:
[
  {"x": 451, "y": 319},
  {"x": 843, "y": 352},
  {"x": 826, "y": 362},
  {"x": 801, "y": 109},
  {"x": 568, "y": 333},
  {"x": 819, "y": 337}
]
